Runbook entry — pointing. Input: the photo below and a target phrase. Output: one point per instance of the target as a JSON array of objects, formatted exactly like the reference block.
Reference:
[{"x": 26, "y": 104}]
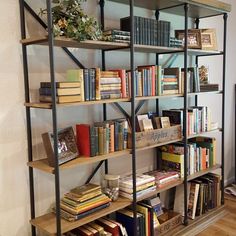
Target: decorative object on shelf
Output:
[
  {"x": 67, "y": 149},
  {"x": 70, "y": 21},
  {"x": 111, "y": 186},
  {"x": 209, "y": 40},
  {"x": 194, "y": 38},
  {"x": 204, "y": 74}
]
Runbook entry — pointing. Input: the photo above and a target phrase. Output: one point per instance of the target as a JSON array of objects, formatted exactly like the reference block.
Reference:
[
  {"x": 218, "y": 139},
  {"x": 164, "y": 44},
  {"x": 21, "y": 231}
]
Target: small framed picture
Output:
[
  {"x": 165, "y": 122},
  {"x": 204, "y": 74},
  {"x": 209, "y": 40},
  {"x": 194, "y": 38},
  {"x": 67, "y": 148}
]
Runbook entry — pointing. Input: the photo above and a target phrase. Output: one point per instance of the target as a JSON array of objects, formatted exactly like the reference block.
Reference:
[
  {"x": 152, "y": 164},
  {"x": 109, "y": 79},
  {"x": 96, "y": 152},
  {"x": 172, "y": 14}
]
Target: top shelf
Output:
[
  {"x": 104, "y": 45},
  {"x": 198, "y": 8}
]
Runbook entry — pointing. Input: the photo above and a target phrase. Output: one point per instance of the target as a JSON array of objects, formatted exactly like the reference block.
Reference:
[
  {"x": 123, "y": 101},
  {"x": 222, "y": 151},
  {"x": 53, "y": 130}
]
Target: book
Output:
[
  {"x": 60, "y": 91},
  {"x": 140, "y": 127},
  {"x": 91, "y": 229},
  {"x": 147, "y": 124},
  {"x": 85, "y": 189},
  {"x": 127, "y": 181},
  {"x": 64, "y": 84},
  {"x": 76, "y": 77},
  {"x": 165, "y": 122},
  {"x": 61, "y": 99},
  {"x": 82, "y": 231},
  {"x": 108, "y": 226},
  {"x": 193, "y": 196},
  {"x": 83, "y": 139},
  {"x": 99, "y": 228}
]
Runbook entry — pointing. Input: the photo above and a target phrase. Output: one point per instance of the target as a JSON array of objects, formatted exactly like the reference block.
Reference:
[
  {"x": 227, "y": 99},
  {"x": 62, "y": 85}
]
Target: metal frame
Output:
[{"x": 134, "y": 111}]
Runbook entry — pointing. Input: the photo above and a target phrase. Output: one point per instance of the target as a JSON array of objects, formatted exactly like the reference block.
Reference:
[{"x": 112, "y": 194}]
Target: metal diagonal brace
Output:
[
  {"x": 141, "y": 103},
  {"x": 122, "y": 110},
  {"x": 94, "y": 172},
  {"x": 42, "y": 23}
]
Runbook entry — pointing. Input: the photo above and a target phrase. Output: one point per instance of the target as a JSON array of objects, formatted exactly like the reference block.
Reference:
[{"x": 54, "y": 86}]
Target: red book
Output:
[
  {"x": 83, "y": 139},
  {"x": 109, "y": 226},
  {"x": 122, "y": 75}
]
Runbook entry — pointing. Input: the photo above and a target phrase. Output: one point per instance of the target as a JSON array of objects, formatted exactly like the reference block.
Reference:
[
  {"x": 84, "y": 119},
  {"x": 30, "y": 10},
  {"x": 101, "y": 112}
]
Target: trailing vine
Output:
[{"x": 70, "y": 21}]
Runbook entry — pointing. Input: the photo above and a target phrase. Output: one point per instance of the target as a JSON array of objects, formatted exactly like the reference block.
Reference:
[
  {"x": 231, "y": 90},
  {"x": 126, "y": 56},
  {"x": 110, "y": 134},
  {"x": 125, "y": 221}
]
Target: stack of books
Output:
[
  {"x": 201, "y": 155},
  {"x": 164, "y": 177},
  {"x": 115, "y": 35},
  {"x": 110, "y": 85},
  {"x": 176, "y": 43},
  {"x": 66, "y": 92},
  {"x": 148, "y": 31},
  {"x": 82, "y": 201},
  {"x": 102, "y": 138},
  {"x": 209, "y": 87},
  {"x": 145, "y": 184}
]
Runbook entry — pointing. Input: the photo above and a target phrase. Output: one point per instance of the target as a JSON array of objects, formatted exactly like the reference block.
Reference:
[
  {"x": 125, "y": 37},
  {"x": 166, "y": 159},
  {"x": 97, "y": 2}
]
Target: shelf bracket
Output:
[
  {"x": 41, "y": 22},
  {"x": 139, "y": 106},
  {"x": 121, "y": 109},
  {"x": 94, "y": 172}
]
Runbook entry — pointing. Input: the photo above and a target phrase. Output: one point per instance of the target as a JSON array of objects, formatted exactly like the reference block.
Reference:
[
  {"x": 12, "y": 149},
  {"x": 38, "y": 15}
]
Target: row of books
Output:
[
  {"x": 102, "y": 138},
  {"x": 199, "y": 118},
  {"x": 203, "y": 194},
  {"x": 201, "y": 155},
  {"x": 148, "y": 31},
  {"x": 82, "y": 201}
]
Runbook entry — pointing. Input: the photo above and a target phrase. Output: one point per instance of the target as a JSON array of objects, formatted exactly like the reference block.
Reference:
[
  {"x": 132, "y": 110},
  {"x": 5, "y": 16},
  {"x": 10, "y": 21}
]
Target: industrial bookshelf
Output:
[{"x": 52, "y": 224}]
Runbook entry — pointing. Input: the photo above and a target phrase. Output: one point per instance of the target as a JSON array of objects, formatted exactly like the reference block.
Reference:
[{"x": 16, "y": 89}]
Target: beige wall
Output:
[{"x": 14, "y": 183}]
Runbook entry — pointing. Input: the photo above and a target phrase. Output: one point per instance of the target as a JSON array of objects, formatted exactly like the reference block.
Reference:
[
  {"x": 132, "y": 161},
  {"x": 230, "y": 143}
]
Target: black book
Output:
[
  {"x": 86, "y": 85},
  {"x": 92, "y": 84}
]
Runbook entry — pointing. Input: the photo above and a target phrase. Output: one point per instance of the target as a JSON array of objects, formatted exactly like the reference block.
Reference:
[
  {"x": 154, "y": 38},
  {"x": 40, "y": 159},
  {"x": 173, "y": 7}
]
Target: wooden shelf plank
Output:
[
  {"x": 67, "y": 42},
  {"x": 203, "y": 133},
  {"x": 44, "y": 166},
  {"x": 205, "y": 93},
  {"x": 158, "y": 97},
  {"x": 159, "y": 144},
  {"x": 47, "y": 223},
  {"x": 198, "y": 222},
  {"x": 203, "y": 172},
  {"x": 49, "y": 105},
  {"x": 198, "y": 8}
]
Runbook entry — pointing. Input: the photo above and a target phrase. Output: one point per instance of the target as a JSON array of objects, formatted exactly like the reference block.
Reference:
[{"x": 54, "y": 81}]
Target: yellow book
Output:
[{"x": 144, "y": 210}]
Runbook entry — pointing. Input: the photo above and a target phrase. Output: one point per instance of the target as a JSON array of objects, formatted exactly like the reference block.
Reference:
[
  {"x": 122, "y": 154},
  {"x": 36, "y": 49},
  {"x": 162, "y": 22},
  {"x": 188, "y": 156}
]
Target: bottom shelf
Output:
[
  {"x": 199, "y": 223},
  {"x": 47, "y": 223}
]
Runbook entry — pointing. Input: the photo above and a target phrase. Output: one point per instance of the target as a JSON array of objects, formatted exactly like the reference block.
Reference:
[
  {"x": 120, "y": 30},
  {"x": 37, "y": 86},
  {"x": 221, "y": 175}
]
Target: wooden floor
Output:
[{"x": 225, "y": 226}]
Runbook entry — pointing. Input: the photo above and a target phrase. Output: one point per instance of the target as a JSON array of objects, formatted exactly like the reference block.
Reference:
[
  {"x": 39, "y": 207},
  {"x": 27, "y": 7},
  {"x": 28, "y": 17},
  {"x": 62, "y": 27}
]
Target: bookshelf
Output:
[{"x": 52, "y": 224}]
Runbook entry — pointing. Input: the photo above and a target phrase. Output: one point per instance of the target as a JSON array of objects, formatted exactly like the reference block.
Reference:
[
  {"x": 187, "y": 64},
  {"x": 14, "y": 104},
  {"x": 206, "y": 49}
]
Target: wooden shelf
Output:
[
  {"x": 205, "y": 93},
  {"x": 204, "y": 133},
  {"x": 42, "y": 105},
  {"x": 70, "y": 43},
  {"x": 158, "y": 97},
  {"x": 198, "y": 8},
  {"x": 158, "y": 144},
  {"x": 47, "y": 223},
  {"x": 44, "y": 166},
  {"x": 195, "y": 226},
  {"x": 203, "y": 172}
]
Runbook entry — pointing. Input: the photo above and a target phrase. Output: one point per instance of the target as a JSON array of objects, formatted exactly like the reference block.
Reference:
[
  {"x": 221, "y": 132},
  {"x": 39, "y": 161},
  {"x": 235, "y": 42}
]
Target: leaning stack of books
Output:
[
  {"x": 110, "y": 85},
  {"x": 102, "y": 226},
  {"x": 115, "y": 35},
  {"x": 164, "y": 177},
  {"x": 209, "y": 87},
  {"x": 82, "y": 201},
  {"x": 145, "y": 184},
  {"x": 66, "y": 92},
  {"x": 102, "y": 138}
]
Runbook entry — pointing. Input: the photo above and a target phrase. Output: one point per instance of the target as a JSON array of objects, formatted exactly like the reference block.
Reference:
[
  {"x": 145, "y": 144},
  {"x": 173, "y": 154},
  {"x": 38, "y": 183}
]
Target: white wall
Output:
[{"x": 14, "y": 184}]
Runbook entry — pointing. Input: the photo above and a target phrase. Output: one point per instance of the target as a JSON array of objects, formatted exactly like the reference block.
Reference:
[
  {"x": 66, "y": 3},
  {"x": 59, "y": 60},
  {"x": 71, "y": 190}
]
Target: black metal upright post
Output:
[
  {"x": 28, "y": 113},
  {"x": 225, "y": 17},
  {"x": 185, "y": 126},
  {"x": 131, "y": 3},
  {"x": 197, "y": 21},
  {"x": 54, "y": 114},
  {"x": 102, "y": 18}
]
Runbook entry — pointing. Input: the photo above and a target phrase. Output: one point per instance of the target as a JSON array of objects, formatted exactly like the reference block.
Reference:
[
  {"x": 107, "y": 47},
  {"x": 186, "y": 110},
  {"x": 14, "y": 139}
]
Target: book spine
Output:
[
  {"x": 92, "y": 84},
  {"x": 100, "y": 140},
  {"x": 86, "y": 85},
  {"x": 92, "y": 141},
  {"x": 97, "y": 83}
]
